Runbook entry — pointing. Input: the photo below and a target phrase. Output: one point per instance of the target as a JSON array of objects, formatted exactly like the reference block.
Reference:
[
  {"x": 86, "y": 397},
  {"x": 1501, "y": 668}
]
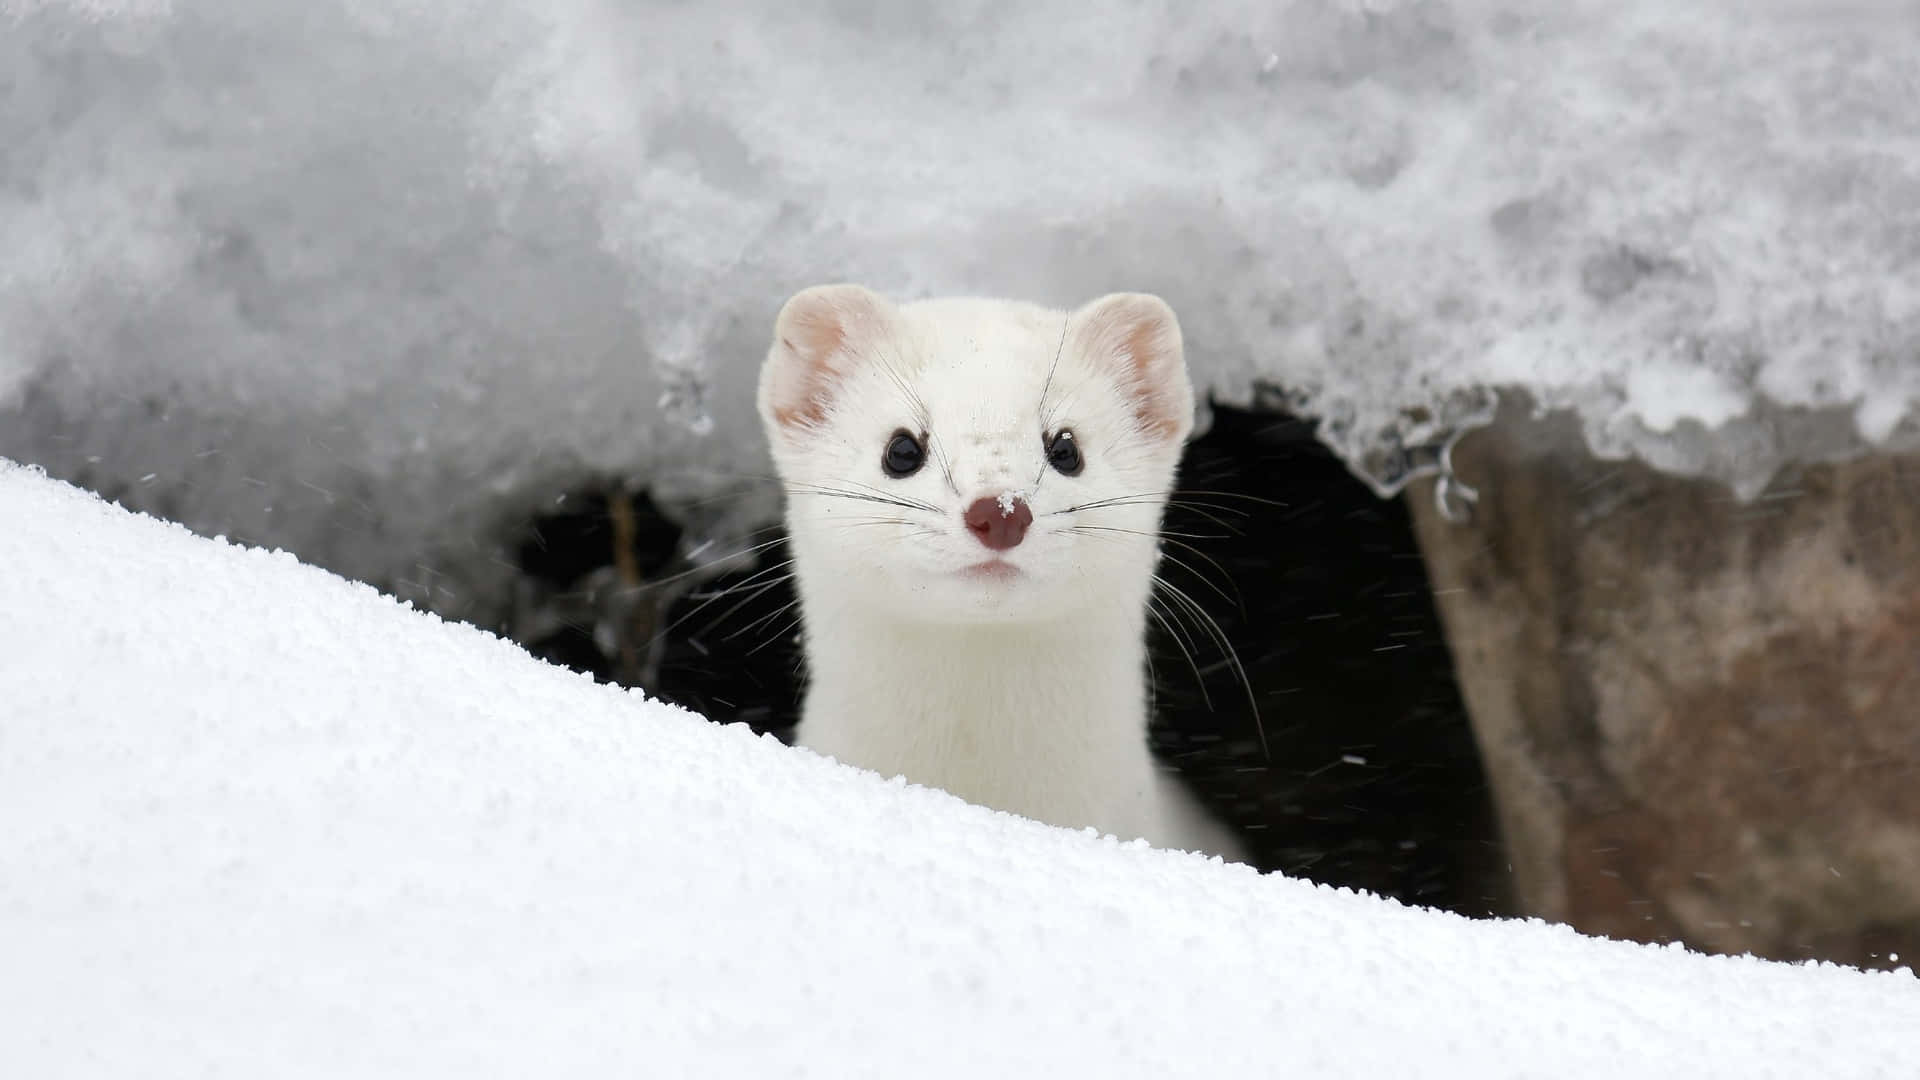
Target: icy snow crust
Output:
[
  {"x": 396, "y": 262},
  {"x": 263, "y": 821}
]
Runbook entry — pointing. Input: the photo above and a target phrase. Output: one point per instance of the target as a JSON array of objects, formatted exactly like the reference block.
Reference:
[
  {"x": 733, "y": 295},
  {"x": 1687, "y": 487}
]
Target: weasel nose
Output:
[{"x": 999, "y": 521}]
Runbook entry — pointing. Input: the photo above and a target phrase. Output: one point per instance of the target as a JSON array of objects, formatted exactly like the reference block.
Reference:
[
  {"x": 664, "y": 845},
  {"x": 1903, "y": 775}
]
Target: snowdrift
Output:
[{"x": 263, "y": 821}]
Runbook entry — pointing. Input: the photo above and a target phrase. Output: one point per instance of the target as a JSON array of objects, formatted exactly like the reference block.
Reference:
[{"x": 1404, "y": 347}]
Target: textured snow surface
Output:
[
  {"x": 349, "y": 276},
  {"x": 261, "y": 821}
]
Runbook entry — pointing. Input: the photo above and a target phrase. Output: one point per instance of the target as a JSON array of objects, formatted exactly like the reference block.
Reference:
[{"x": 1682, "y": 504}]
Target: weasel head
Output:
[{"x": 962, "y": 460}]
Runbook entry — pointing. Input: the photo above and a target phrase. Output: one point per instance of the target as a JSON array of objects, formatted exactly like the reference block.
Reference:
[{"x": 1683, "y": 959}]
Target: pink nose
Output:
[{"x": 1000, "y": 522}]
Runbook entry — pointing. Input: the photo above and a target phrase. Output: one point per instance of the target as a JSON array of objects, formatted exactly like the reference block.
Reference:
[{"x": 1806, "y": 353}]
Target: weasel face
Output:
[{"x": 975, "y": 460}]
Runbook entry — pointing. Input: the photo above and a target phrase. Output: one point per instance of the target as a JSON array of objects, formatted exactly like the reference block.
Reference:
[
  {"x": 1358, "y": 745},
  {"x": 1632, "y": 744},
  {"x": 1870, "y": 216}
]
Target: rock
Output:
[{"x": 1700, "y": 717}]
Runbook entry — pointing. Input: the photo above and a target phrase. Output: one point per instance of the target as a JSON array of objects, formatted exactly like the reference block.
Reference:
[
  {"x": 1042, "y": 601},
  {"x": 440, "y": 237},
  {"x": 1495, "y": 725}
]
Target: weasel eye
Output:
[
  {"x": 904, "y": 455},
  {"x": 1064, "y": 454}
]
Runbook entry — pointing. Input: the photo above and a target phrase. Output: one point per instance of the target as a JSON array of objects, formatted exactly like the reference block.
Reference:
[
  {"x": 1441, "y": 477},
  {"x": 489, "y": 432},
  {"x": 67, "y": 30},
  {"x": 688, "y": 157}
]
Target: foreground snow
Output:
[{"x": 263, "y": 821}]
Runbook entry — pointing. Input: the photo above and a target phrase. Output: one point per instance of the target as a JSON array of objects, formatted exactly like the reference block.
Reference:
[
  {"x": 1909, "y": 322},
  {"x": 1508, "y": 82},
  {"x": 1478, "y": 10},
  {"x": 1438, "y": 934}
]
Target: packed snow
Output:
[
  {"x": 355, "y": 277},
  {"x": 262, "y": 821}
]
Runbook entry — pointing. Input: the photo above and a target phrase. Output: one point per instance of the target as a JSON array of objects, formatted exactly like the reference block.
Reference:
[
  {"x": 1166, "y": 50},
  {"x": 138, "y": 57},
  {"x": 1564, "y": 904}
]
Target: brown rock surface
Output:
[{"x": 1700, "y": 717}]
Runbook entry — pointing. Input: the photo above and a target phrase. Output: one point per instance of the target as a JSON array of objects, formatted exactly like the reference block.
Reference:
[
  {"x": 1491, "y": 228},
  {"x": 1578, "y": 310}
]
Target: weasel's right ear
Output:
[{"x": 817, "y": 341}]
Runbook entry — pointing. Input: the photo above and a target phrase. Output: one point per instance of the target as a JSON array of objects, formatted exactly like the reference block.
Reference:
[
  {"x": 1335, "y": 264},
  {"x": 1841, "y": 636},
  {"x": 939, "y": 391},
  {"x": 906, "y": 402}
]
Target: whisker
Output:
[
  {"x": 1175, "y": 627},
  {"x": 860, "y": 496},
  {"x": 1238, "y": 601},
  {"x": 764, "y": 620},
  {"x": 1212, "y": 627},
  {"x": 1046, "y": 388},
  {"x": 1235, "y": 599},
  {"x": 877, "y": 493},
  {"x": 1196, "y": 500},
  {"x": 1177, "y": 632},
  {"x": 1198, "y": 576},
  {"x": 1141, "y": 499},
  {"x": 1143, "y": 532},
  {"x": 887, "y": 364},
  {"x": 748, "y": 599},
  {"x": 1208, "y": 511},
  {"x": 1242, "y": 496},
  {"x": 755, "y": 576},
  {"x": 1212, "y": 514},
  {"x": 938, "y": 447},
  {"x": 1179, "y": 608},
  {"x": 709, "y": 567},
  {"x": 707, "y": 601},
  {"x": 782, "y": 636}
]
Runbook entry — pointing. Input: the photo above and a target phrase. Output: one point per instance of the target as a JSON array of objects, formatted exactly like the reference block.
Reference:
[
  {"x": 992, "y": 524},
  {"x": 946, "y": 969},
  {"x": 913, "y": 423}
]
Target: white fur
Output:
[{"x": 1027, "y": 695}]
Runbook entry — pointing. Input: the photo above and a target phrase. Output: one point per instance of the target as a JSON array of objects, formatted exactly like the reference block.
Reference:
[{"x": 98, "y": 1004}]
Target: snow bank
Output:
[
  {"x": 263, "y": 821},
  {"x": 398, "y": 262}
]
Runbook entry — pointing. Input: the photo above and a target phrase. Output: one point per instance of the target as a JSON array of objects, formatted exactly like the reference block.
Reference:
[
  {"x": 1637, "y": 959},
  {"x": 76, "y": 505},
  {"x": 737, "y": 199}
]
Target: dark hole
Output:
[
  {"x": 564, "y": 546},
  {"x": 735, "y": 652},
  {"x": 1374, "y": 780}
]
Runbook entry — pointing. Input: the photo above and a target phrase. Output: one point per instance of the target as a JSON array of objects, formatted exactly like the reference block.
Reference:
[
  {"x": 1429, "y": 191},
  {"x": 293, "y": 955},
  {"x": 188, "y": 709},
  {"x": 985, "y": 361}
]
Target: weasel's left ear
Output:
[
  {"x": 1136, "y": 340},
  {"x": 818, "y": 340}
]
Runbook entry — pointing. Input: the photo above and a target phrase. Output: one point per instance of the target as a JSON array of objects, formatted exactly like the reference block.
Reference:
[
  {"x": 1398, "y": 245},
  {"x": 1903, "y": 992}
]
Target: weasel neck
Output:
[{"x": 1044, "y": 719}]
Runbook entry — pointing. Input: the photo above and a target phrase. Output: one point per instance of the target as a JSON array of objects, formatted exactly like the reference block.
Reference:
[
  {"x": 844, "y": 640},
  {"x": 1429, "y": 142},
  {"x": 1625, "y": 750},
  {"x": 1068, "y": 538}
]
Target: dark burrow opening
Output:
[{"x": 1371, "y": 778}]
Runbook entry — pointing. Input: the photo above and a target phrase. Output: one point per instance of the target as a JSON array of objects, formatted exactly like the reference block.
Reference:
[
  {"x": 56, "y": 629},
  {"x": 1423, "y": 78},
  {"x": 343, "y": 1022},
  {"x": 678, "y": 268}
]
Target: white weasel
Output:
[{"x": 974, "y": 491}]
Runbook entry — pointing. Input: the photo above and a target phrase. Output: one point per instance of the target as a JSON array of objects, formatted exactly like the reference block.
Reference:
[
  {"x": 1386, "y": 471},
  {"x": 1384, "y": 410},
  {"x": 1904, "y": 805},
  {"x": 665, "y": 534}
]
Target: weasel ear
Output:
[
  {"x": 816, "y": 342},
  {"x": 1135, "y": 339}
]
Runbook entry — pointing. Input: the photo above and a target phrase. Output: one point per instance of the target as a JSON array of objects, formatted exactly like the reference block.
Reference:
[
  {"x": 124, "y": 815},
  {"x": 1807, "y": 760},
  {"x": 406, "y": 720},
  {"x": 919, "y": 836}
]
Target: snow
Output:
[
  {"x": 1661, "y": 394},
  {"x": 406, "y": 265},
  {"x": 264, "y": 821}
]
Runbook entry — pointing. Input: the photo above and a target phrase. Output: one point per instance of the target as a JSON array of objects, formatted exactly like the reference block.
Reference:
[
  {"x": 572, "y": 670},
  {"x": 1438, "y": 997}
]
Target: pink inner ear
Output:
[
  {"x": 1155, "y": 404},
  {"x": 813, "y": 338},
  {"x": 1133, "y": 334}
]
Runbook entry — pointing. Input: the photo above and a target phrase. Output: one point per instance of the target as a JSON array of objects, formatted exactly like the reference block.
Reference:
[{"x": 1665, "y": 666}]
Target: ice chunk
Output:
[{"x": 424, "y": 255}]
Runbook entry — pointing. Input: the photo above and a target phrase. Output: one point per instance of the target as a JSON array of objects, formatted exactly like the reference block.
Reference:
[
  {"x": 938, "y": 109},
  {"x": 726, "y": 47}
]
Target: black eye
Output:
[
  {"x": 904, "y": 455},
  {"x": 1064, "y": 454}
]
